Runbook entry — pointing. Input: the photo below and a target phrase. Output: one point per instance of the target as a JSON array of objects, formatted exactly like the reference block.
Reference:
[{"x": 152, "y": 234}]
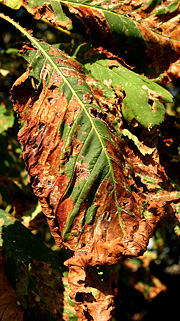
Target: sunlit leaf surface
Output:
[
  {"x": 85, "y": 176},
  {"x": 89, "y": 136}
]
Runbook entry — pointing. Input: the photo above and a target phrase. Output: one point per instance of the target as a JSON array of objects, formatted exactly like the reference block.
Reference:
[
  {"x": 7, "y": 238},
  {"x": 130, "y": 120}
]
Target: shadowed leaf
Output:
[
  {"x": 37, "y": 273},
  {"x": 51, "y": 13},
  {"x": 9, "y": 309},
  {"x": 144, "y": 34}
]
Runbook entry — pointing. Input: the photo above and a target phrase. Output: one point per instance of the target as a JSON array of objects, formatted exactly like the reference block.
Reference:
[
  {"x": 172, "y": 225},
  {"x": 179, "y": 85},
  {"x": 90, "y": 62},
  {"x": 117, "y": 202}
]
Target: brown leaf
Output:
[
  {"x": 160, "y": 48},
  {"x": 110, "y": 233},
  {"x": 92, "y": 291},
  {"x": 42, "y": 145}
]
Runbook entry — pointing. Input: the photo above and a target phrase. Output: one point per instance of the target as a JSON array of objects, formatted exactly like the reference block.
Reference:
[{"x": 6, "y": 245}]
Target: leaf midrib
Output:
[
  {"x": 52, "y": 63},
  {"x": 37, "y": 45},
  {"x": 92, "y": 124},
  {"x": 76, "y": 4}
]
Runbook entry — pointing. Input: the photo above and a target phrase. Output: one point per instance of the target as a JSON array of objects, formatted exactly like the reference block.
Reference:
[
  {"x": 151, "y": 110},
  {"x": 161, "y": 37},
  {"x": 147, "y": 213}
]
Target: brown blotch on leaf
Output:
[
  {"x": 45, "y": 12},
  {"x": 69, "y": 72},
  {"x": 77, "y": 145},
  {"x": 109, "y": 224},
  {"x": 72, "y": 110},
  {"x": 42, "y": 146},
  {"x": 81, "y": 172},
  {"x": 87, "y": 98}
]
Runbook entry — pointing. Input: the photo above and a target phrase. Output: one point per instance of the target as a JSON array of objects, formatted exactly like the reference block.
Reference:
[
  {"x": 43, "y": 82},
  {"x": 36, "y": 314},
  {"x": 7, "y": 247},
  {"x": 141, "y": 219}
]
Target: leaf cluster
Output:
[{"x": 98, "y": 147}]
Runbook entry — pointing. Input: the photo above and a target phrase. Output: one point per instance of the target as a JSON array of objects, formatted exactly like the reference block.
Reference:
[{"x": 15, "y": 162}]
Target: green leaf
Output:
[
  {"x": 32, "y": 213},
  {"x": 13, "y": 4},
  {"x": 6, "y": 117},
  {"x": 5, "y": 220},
  {"x": 16, "y": 236},
  {"x": 126, "y": 34},
  {"x": 118, "y": 28},
  {"x": 60, "y": 17},
  {"x": 49, "y": 12},
  {"x": 177, "y": 222},
  {"x": 143, "y": 98},
  {"x": 133, "y": 32},
  {"x": 93, "y": 159},
  {"x": 172, "y": 7},
  {"x": 36, "y": 271},
  {"x": 177, "y": 228}
]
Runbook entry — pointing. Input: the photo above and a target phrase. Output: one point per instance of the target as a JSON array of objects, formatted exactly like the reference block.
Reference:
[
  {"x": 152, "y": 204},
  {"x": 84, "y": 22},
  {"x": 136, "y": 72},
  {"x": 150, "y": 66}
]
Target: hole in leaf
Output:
[
  {"x": 42, "y": 126},
  {"x": 79, "y": 297},
  {"x": 150, "y": 102},
  {"x": 51, "y": 101},
  {"x": 97, "y": 113},
  {"x": 53, "y": 87},
  {"x": 133, "y": 188}
]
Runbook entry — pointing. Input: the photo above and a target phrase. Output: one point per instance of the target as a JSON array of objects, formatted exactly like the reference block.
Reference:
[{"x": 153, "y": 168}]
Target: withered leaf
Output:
[
  {"x": 74, "y": 159},
  {"x": 51, "y": 13},
  {"x": 144, "y": 34},
  {"x": 84, "y": 175}
]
